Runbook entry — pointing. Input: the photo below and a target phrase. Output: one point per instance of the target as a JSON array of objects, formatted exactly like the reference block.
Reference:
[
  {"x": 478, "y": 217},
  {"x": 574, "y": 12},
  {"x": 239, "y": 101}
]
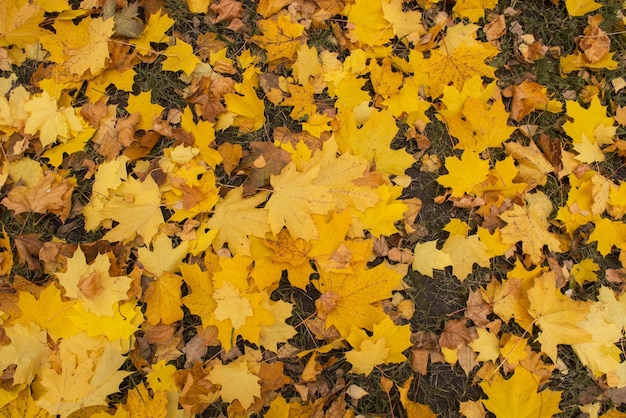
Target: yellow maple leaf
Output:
[
  {"x": 478, "y": 128},
  {"x": 88, "y": 374},
  {"x": 465, "y": 251},
  {"x": 236, "y": 218},
  {"x": 405, "y": 23},
  {"x": 142, "y": 104},
  {"x": 163, "y": 299},
  {"x": 529, "y": 224},
  {"x": 385, "y": 345},
  {"x": 22, "y": 405},
  {"x": 237, "y": 382},
  {"x": 49, "y": 311},
  {"x": 368, "y": 25},
  {"x": 162, "y": 257},
  {"x": 372, "y": 141},
  {"x": 80, "y": 48},
  {"x": 180, "y": 57},
  {"x": 19, "y": 23},
  {"x": 92, "y": 284},
  {"x": 302, "y": 100},
  {"x": 200, "y": 301},
  {"x": 608, "y": 233},
  {"x": 281, "y": 37},
  {"x": 307, "y": 64},
  {"x": 581, "y": 7},
  {"x": 426, "y": 258},
  {"x": 28, "y": 351},
  {"x": 325, "y": 184},
  {"x": 473, "y": 9},
  {"x": 487, "y": 345},
  {"x": 154, "y": 31},
  {"x": 465, "y": 173},
  {"x": 518, "y": 396},
  {"x": 161, "y": 377},
  {"x": 380, "y": 219},
  {"x": 347, "y": 300},
  {"x": 446, "y": 67},
  {"x": 52, "y": 122},
  {"x": 142, "y": 404},
  {"x": 245, "y": 109},
  {"x": 556, "y": 315},
  {"x": 592, "y": 122},
  {"x": 135, "y": 205}
]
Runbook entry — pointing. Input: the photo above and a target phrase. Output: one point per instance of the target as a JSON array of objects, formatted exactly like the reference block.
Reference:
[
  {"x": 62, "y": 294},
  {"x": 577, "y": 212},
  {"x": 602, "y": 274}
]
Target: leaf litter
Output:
[{"x": 245, "y": 237}]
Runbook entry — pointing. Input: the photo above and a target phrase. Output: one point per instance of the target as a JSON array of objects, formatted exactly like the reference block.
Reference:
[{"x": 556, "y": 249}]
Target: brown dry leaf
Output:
[
  {"x": 28, "y": 247},
  {"x": 265, "y": 160},
  {"x": 526, "y": 97},
  {"x": 477, "y": 310},
  {"x": 454, "y": 334},
  {"x": 52, "y": 194},
  {"x": 595, "y": 43},
  {"x": 231, "y": 153},
  {"x": 227, "y": 10},
  {"x": 495, "y": 29}
]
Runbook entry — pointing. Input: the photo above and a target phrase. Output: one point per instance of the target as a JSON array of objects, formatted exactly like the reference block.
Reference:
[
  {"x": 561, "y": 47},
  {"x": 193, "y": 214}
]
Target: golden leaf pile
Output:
[{"x": 207, "y": 209}]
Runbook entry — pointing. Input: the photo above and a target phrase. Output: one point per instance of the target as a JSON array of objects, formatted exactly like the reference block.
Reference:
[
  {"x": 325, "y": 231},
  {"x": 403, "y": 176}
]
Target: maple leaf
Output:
[
  {"x": 608, "y": 233},
  {"x": 89, "y": 373},
  {"x": 19, "y": 23},
  {"x": 529, "y": 224},
  {"x": 368, "y": 24},
  {"x": 180, "y": 57},
  {"x": 142, "y": 104},
  {"x": 52, "y": 194},
  {"x": 446, "y": 67},
  {"x": 163, "y": 299},
  {"x": 464, "y": 251},
  {"x": 465, "y": 173},
  {"x": 92, "y": 284},
  {"x": 51, "y": 122},
  {"x": 245, "y": 109},
  {"x": 590, "y": 126},
  {"x": 325, "y": 184},
  {"x": 200, "y": 301},
  {"x": 556, "y": 315},
  {"x": 236, "y": 381},
  {"x": 307, "y": 64},
  {"x": 28, "y": 350},
  {"x": 347, "y": 300},
  {"x": 135, "y": 205},
  {"x": 49, "y": 311},
  {"x": 518, "y": 396},
  {"x": 154, "y": 31},
  {"x": 281, "y": 37},
  {"x": 162, "y": 257},
  {"x": 373, "y": 141},
  {"x": 236, "y": 218},
  {"x": 142, "y": 404},
  {"x": 478, "y": 128},
  {"x": 473, "y": 9},
  {"x": 80, "y": 48},
  {"x": 386, "y": 345},
  {"x": 426, "y": 258}
]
